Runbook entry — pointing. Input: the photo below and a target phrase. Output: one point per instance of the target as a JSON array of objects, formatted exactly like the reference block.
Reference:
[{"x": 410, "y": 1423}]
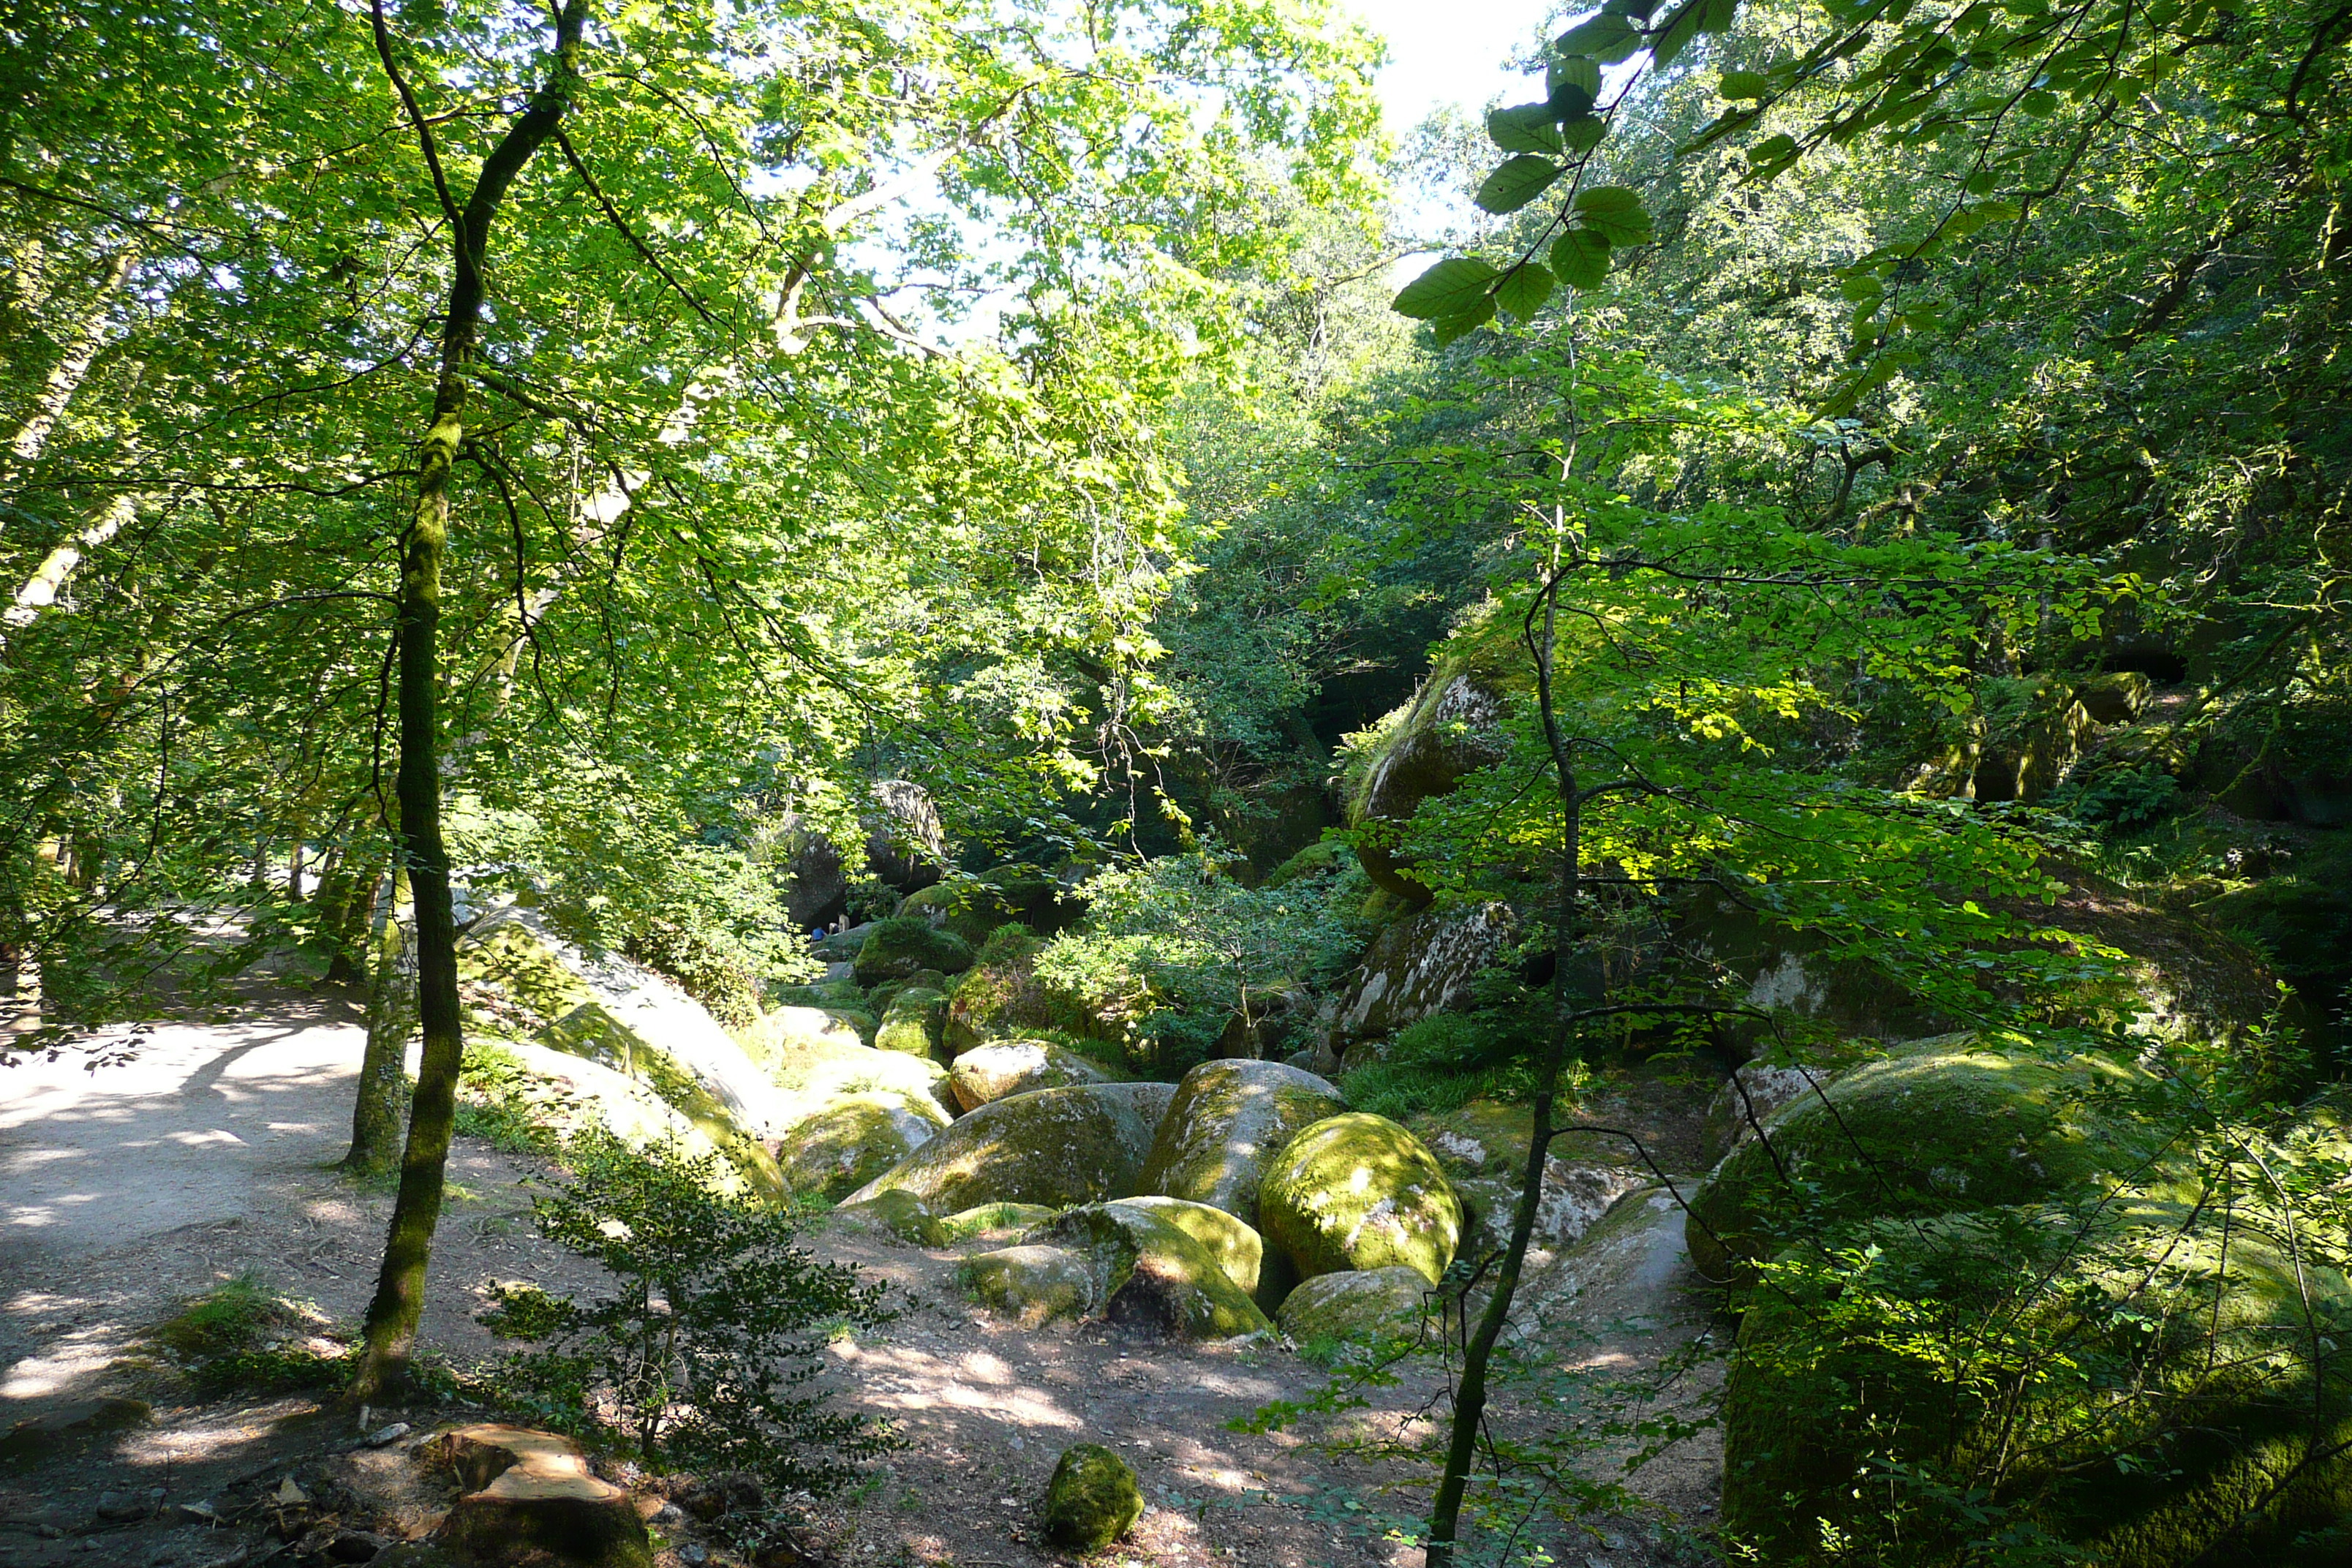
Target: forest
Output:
[{"x": 970, "y": 782}]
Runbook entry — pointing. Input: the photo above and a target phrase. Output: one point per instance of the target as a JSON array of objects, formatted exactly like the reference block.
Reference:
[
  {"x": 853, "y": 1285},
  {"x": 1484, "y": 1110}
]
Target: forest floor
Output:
[{"x": 207, "y": 1154}]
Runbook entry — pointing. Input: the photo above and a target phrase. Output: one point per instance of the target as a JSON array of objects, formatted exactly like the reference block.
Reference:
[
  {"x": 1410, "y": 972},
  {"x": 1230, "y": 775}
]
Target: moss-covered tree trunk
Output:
[
  {"x": 399, "y": 1302},
  {"x": 1470, "y": 1393},
  {"x": 391, "y": 1019}
]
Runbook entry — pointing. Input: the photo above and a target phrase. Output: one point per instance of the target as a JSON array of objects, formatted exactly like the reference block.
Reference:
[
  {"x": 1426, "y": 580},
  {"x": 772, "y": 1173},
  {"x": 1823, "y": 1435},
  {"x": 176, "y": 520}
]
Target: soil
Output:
[{"x": 204, "y": 1149}]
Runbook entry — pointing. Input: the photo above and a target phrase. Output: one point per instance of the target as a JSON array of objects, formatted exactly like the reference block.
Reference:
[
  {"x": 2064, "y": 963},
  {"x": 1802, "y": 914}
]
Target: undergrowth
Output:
[{"x": 241, "y": 1337}]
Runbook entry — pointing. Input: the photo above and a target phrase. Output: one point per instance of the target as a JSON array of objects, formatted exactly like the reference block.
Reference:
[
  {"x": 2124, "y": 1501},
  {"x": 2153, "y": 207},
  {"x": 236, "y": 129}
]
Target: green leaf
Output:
[
  {"x": 1981, "y": 184},
  {"x": 1772, "y": 150},
  {"x": 1527, "y": 128},
  {"x": 1738, "y": 85},
  {"x": 1581, "y": 257},
  {"x": 1449, "y": 327},
  {"x": 1607, "y": 37},
  {"x": 1519, "y": 181},
  {"x": 1524, "y": 289},
  {"x": 1689, "y": 19},
  {"x": 1616, "y": 213},
  {"x": 1573, "y": 70},
  {"x": 1584, "y": 133},
  {"x": 1863, "y": 288},
  {"x": 1449, "y": 289},
  {"x": 2039, "y": 104}
]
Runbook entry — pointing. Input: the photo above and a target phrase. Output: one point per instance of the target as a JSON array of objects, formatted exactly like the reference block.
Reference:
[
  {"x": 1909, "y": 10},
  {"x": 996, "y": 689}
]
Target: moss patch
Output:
[
  {"x": 1955, "y": 1123},
  {"x": 1093, "y": 1499},
  {"x": 1360, "y": 1192}
]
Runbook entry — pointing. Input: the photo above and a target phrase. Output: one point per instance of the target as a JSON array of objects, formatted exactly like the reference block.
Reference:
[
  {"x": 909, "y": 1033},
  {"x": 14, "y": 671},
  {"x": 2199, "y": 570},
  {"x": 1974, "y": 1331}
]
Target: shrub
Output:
[
  {"x": 491, "y": 1105},
  {"x": 698, "y": 1357},
  {"x": 2120, "y": 800}
]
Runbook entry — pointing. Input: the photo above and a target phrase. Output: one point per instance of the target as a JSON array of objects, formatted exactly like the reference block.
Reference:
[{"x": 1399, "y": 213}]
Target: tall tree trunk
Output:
[
  {"x": 1470, "y": 1393},
  {"x": 65, "y": 376},
  {"x": 399, "y": 1302},
  {"x": 348, "y": 894},
  {"x": 391, "y": 1020}
]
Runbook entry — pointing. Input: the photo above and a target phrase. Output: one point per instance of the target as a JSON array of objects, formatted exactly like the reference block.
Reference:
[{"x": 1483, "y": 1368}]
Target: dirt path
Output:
[{"x": 209, "y": 1155}]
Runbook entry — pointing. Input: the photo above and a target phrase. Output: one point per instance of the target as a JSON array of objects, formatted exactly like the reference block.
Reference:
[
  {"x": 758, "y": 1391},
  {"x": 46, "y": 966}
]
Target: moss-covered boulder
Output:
[
  {"x": 1002, "y": 1068},
  {"x": 912, "y": 1023},
  {"x": 895, "y": 1214},
  {"x": 2203, "y": 1414},
  {"x": 781, "y": 1031},
  {"x": 900, "y": 946},
  {"x": 1361, "y": 1307},
  {"x": 855, "y": 1139},
  {"x": 1034, "y": 1282},
  {"x": 1058, "y": 1147},
  {"x": 516, "y": 976},
  {"x": 974, "y": 908},
  {"x": 1150, "y": 1274},
  {"x": 1326, "y": 857},
  {"x": 594, "y": 1032},
  {"x": 1235, "y": 1244},
  {"x": 814, "y": 1073},
  {"x": 1093, "y": 1500},
  {"x": 1360, "y": 1192},
  {"x": 1227, "y": 1122},
  {"x": 1940, "y": 1126},
  {"x": 519, "y": 980},
  {"x": 989, "y": 1219},
  {"x": 570, "y": 1095}
]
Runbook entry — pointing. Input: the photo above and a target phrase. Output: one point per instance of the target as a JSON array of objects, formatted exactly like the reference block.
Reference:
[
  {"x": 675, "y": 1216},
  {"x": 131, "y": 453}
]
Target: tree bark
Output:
[
  {"x": 1470, "y": 1393},
  {"x": 399, "y": 1302},
  {"x": 65, "y": 377},
  {"x": 391, "y": 1020}
]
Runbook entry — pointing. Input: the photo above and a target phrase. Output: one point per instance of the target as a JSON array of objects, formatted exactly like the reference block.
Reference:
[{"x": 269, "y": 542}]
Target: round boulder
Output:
[
  {"x": 1093, "y": 1500},
  {"x": 912, "y": 1022},
  {"x": 900, "y": 1214},
  {"x": 1235, "y": 1244},
  {"x": 1058, "y": 1147},
  {"x": 1150, "y": 1276},
  {"x": 1016, "y": 1066},
  {"x": 1033, "y": 1283},
  {"x": 1360, "y": 1192},
  {"x": 901, "y": 947},
  {"x": 1364, "y": 1306},
  {"x": 1226, "y": 1124},
  {"x": 1942, "y": 1126},
  {"x": 856, "y": 1139}
]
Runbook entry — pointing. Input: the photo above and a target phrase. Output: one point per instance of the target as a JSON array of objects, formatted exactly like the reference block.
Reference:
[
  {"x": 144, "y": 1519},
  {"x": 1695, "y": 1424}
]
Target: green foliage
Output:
[
  {"x": 713, "y": 1326},
  {"x": 1182, "y": 951},
  {"x": 1447, "y": 1059},
  {"x": 2122, "y": 800},
  {"x": 242, "y": 1338},
  {"x": 492, "y": 1105}
]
